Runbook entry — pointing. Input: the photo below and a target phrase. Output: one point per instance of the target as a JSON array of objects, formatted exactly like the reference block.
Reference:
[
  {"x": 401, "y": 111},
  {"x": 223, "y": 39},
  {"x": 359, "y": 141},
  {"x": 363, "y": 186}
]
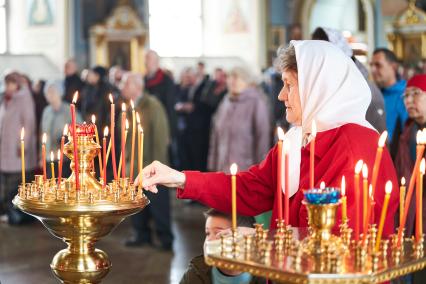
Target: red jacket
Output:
[{"x": 336, "y": 153}]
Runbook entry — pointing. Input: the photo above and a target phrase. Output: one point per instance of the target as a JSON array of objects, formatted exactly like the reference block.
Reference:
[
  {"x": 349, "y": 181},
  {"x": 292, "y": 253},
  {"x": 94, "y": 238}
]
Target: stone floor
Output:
[{"x": 26, "y": 252}]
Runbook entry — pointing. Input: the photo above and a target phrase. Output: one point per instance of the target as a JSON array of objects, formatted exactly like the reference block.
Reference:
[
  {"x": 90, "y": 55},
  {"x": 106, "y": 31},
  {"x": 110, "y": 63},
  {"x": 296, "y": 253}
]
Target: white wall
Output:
[{"x": 49, "y": 40}]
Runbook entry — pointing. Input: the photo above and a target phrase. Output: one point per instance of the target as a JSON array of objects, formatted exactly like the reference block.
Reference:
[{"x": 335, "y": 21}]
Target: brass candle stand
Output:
[
  {"x": 80, "y": 217},
  {"x": 315, "y": 255}
]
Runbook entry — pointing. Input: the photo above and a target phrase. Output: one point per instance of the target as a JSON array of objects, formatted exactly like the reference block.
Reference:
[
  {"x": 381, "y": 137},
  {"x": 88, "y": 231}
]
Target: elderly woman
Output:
[
  {"x": 241, "y": 125},
  {"x": 321, "y": 84},
  {"x": 54, "y": 118},
  {"x": 415, "y": 103}
]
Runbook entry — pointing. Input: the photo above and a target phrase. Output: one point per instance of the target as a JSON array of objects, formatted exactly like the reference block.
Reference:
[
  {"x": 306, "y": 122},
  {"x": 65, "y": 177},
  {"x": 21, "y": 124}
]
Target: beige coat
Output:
[{"x": 17, "y": 113}]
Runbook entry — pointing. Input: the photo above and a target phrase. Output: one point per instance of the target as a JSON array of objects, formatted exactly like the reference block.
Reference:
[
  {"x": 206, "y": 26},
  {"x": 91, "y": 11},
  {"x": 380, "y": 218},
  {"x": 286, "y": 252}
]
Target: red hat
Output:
[{"x": 418, "y": 81}]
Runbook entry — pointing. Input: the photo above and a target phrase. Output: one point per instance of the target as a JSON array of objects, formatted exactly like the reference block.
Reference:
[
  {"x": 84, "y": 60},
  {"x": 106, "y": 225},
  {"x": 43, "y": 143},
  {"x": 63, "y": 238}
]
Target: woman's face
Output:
[
  {"x": 415, "y": 102},
  {"x": 290, "y": 96},
  {"x": 236, "y": 85}
]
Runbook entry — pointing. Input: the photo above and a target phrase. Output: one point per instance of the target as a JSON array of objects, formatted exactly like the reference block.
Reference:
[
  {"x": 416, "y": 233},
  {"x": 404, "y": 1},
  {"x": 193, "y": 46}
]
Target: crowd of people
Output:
[{"x": 200, "y": 121}]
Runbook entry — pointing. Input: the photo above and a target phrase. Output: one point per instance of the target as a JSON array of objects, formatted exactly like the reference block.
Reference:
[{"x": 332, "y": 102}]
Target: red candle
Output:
[
  {"x": 123, "y": 140},
  {"x": 97, "y": 141},
  {"x": 132, "y": 156},
  {"x": 312, "y": 155},
  {"x": 419, "y": 154},
  {"x": 280, "y": 133},
  {"x": 358, "y": 169},
  {"x": 287, "y": 181},
  {"x": 112, "y": 139},
  {"x": 378, "y": 159},
  {"x": 74, "y": 139},
  {"x": 43, "y": 155},
  {"x": 104, "y": 149},
  {"x": 61, "y": 154}
]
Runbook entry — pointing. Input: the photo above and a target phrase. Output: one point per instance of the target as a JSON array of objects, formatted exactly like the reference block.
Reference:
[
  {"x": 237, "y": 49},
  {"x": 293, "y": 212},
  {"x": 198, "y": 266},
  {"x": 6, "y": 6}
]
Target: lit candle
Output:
[
  {"x": 141, "y": 154},
  {"x": 312, "y": 155},
  {"x": 401, "y": 199},
  {"x": 234, "y": 169},
  {"x": 322, "y": 185},
  {"x": 280, "y": 133},
  {"x": 23, "y": 157},
  {"x": 123, "y": 139},
  {"x": 138, "y": 120},
  {"x": 344, "y": 205},
  {"x": 52, "y": 164},
  {"x": 120, "y": 164},
  {"x": 420, "y": 148},
  {"x": 43, "y": 154},
  {"x": 358, "y": 169},
  {"x": 132, "y": 158},
  {"x": 286, "y": 147},
  {"x": 104, "y": 153},
  {"x": 365, "y": 202},
  {"x": 97, "y": 142},
  {"x": 419, "y": 202},
  {"x": 61, "y": 157},
  {"x": 112, "y": 139},
  {"x": 378, "y": 159},
  {"x": 388, "y": 190},
  {"x": 74, "y": 139}
]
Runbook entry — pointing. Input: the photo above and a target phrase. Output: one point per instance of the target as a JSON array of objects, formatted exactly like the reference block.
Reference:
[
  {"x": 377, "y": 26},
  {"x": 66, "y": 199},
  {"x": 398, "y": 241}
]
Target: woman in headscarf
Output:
[{"x": 320, "y": 83}]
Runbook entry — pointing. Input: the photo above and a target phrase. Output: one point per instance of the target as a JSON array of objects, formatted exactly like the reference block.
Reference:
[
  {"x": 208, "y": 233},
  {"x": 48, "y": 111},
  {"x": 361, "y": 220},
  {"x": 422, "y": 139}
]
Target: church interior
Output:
[{"x": 176, "y": 71}]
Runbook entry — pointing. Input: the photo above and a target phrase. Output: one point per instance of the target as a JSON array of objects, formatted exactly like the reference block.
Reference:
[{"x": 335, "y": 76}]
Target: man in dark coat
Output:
[{"x": 73, "y": 81}]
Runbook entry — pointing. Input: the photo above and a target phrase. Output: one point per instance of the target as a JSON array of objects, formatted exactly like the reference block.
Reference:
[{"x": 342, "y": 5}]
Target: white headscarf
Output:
[{"x": 332, "y": 92}]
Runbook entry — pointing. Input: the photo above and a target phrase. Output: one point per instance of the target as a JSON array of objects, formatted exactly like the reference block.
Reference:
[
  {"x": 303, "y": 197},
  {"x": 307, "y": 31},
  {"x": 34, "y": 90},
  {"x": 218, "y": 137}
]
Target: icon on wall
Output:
[{"x": 40, "y": 12}]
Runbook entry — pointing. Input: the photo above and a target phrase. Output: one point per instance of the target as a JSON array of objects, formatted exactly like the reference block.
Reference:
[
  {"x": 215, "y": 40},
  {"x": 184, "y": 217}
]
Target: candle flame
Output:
[
  {"x": 44, "y": 138},
  {"x": 110, "y": 98},
  {"x": 127, "y": 124},
  {"x": 322, "y": 185},
  {"x": 132, "y": 104},
  {"x": 280, "y": 133},
  {"x": 358, "y": 166},
  {"x": 58, "y": 155},
  {"x": 138, "y": 118},
  {"x": 22, "y": 133},
  {"x": 422, "y": 166},
  {"x": 106, "y": 131},
  {"x": 140, "y": 128},
  {"x": 382, "y": 139},
  {"x": 314, "y": 129},
  {"x": 234, "y": 169},
  {"x": 388, "y": 187},
  {"x": 419, "y": 137},
  {"x": 123, "y": 107},
  {"x": 65, "y": 130},
  {"x": 75, "y": 97},
  {"x": 424, "y": 135},
  {"x": 343, "y": 186},
  {"x": 93, "y": 119},
  {"x": 52, "y": 156},
  {"x": 403, "y": 181},
  {"x": 370, "y": 191},
  {"x": 286, "y": 146},
  {"x": 364, "y": 171}
]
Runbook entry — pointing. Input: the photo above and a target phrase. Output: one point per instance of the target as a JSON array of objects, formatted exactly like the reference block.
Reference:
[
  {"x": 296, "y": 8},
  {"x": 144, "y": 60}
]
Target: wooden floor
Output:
[{"x": 26, "y": 252}]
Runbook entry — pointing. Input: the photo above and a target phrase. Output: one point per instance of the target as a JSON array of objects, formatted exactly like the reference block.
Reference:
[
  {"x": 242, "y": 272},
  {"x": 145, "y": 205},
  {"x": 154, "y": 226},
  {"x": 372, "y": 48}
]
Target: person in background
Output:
[
  {"x": 73, "y": 82},
  {"x": 215, "y": 90},
  {"x": 376, "y": 110},
  {"x": 241, "y": 126},
  {"x": 160, "y": 84},
  {"x": 384, "y": 65},
  {"x": 115, "y": 75},
  {"x": 156, "y": 141},
  {"x": 54, "y": 118},
  {"x": 199, "y": 272},
  {"x": 17, "y": 111},
  {"x": 40, "y": 103}
]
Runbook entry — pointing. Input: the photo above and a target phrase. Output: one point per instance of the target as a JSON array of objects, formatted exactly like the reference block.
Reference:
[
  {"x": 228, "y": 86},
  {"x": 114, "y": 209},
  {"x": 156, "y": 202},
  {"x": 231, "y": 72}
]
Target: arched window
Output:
[
  {"x": 175, "y": 27},
  {"x": 3, "y": 27}
]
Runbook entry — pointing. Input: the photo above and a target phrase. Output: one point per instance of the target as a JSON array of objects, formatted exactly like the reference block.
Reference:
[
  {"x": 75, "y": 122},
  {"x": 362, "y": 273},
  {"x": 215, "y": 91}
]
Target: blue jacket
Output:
[{"x": 394, "y": 106}]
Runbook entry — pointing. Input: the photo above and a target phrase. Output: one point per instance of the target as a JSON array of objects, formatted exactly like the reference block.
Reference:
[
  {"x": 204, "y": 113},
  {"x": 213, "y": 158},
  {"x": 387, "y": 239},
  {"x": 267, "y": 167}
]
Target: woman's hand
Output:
[{"x": 158, "y": 173}]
